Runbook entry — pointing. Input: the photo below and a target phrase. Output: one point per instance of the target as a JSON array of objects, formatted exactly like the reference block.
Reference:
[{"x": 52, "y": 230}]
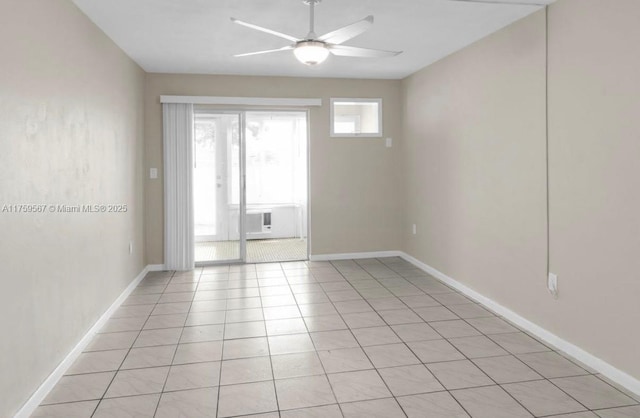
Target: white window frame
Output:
[{"x": 355, "y": 135}]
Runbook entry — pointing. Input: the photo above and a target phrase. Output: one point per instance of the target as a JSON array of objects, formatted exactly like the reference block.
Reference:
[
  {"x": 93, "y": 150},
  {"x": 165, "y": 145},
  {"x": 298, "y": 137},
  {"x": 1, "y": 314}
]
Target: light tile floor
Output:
[{"x": 363, "y": 338}]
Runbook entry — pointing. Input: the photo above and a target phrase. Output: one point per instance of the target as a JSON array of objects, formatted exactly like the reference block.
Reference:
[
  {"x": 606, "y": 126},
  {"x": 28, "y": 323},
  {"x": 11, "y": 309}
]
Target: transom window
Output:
[{"x": 356, "y": 117}]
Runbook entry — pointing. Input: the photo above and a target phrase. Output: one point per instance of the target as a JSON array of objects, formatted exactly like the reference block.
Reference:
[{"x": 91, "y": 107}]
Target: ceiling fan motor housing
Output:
[{"x": 311, "y": 52}]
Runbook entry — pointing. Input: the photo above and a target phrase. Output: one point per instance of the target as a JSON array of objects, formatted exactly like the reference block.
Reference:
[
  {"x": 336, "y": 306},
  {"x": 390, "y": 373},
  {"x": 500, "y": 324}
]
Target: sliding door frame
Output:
[{"x": 242, "y": 113}]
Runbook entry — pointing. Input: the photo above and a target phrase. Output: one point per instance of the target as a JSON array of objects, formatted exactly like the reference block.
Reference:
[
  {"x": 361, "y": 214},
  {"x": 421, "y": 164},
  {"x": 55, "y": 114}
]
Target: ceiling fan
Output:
[{"x": 313, "y": 49}]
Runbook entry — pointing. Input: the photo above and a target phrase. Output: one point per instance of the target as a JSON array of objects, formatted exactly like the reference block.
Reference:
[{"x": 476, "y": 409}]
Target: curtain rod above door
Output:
[{"x": 250, "y": 101}]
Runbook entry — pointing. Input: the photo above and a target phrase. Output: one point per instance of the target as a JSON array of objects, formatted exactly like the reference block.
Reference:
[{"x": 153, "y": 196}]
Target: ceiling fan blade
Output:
[
  {"x": 352, "y": 51},
  {"x": 343, "y": 34},
  {"x": 265, "y": 30},
  {"x": 286, "y": 48}
]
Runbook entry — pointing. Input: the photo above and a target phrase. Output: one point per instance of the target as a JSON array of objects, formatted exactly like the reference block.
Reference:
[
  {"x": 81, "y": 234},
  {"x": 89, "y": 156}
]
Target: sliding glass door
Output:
[
  {"x": 268, "y": 151},
  {"x": 276, "y": 186},
  {"x": 217, "y": 187}
]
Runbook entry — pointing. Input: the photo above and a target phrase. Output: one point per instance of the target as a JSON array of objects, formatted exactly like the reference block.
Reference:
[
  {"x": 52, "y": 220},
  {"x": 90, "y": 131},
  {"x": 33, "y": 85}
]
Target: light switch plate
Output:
[
  {"x": 153, "y": 173},
  {"x": 552, "y": 284},
  {"x": 389, "y": 142}
]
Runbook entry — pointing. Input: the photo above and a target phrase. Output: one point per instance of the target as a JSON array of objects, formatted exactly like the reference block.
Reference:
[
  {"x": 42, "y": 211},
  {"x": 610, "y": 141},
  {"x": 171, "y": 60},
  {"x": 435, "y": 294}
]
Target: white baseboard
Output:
[
  {"x": 354, "y": 256},
  {"x": 156, "y": 267},
  {"x": 618, "y": 376},
  {"x": 38, "y": 396}
]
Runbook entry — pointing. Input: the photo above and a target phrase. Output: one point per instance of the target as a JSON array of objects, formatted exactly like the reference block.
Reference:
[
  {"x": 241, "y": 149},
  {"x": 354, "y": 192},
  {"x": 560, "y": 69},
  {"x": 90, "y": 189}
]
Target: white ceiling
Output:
[{"x": 197, "y": 36}]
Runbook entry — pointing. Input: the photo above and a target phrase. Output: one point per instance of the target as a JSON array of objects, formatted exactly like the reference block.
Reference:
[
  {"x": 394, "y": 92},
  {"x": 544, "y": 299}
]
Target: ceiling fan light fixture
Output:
[{"x": 311, "y": 52}]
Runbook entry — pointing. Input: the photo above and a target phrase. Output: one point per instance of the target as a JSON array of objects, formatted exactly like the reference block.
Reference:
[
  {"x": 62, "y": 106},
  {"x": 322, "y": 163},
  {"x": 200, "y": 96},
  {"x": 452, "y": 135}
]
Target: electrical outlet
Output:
[
  {"x": 414, "y": 229},
  {"x": 153, "y": 173},
  {"x": 552, "y": 284},
  {"x": 130, "y": 247}
]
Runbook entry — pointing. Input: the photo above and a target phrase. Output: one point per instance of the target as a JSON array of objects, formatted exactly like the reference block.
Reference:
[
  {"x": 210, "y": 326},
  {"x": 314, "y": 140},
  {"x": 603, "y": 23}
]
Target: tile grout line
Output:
[
  {"x": 501, "y": 385},
  {"x": 266, "y": 333},
  {"x": 362, "y": 348},
  {"x": 421, "y": 363},
  {"x": 224, "y": 324},
  {"x": 326, "y": 375},
  {"x": 128, "y": 351},
  {"x": 164, "y": 385},
  {"x": 481, "y": 371}
]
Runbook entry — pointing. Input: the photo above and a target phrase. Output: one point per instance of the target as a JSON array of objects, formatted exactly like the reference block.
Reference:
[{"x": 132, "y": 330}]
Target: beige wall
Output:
[
  {"x": 71, "y": 128},
  {"x": 474, "y": 152},
  {"x": 595, "y": 176},
  {"x": 355, "y": 199}
]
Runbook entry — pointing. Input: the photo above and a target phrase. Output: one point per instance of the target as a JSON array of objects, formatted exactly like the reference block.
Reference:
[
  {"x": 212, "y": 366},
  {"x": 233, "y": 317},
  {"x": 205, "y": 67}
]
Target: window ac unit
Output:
[{"x": 258, "y": 222}]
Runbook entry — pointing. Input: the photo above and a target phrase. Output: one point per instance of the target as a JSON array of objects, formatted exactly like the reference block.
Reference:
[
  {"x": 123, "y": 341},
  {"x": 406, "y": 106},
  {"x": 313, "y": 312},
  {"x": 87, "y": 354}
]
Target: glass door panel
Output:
[
  {"x": 276, "y": 186},
  {"x": 216, "y": 186}
]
